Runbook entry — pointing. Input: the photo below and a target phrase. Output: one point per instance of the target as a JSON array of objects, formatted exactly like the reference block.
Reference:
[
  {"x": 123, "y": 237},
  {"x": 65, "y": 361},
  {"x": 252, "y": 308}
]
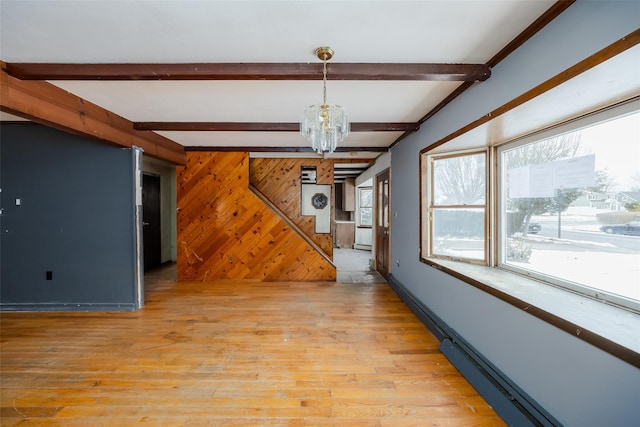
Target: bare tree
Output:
[
  {"x": 559, "y": 147},
  {"x": 604, "y": 182},
  {"x": 460, "y": 180}
]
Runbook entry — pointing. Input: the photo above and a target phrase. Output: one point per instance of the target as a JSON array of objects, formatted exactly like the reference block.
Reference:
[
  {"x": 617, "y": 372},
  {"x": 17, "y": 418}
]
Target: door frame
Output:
[
  {"x": 379, "y": 243},
  {"x": 138, "y": 273}
]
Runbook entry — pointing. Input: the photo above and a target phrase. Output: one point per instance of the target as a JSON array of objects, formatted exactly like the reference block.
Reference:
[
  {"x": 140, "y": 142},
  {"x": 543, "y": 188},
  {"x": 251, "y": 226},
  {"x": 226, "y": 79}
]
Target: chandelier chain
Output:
[
  {"x": 324, "y": 80},
  {"x": 325, "y": 126}
]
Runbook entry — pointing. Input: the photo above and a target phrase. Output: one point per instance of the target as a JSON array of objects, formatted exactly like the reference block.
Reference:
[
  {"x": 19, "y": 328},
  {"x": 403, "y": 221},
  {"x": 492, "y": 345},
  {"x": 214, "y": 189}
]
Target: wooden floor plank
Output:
[{"x": 235, "y": 353}]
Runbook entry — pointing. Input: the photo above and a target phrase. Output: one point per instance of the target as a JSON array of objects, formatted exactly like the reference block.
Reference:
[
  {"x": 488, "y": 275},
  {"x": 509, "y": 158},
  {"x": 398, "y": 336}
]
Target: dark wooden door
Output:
[
  {"x": 151, "y": 221},
  {"x": 382, "y": 222}
]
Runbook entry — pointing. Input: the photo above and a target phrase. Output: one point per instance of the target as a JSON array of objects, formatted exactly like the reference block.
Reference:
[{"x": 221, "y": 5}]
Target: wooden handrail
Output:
[{"x": 290, "y": 223}]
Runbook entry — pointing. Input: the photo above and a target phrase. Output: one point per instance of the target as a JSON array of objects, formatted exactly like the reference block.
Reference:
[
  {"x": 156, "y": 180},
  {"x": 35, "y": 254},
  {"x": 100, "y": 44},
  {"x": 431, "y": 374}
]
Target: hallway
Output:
[{"x": 354, "y": 266}]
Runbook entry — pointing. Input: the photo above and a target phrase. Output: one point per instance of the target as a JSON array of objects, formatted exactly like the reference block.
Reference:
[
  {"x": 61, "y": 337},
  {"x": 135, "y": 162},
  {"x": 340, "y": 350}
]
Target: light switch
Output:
[{"x": 18, "y": 202}]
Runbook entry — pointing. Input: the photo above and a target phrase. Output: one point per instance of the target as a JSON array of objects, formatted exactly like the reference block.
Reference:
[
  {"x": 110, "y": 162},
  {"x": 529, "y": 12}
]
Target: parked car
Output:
[
  {"x": 534, "y": 228},
  {"x": 631, "y": 228}
]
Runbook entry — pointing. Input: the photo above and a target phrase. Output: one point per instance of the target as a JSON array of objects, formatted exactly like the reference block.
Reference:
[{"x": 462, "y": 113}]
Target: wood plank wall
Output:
[
  {"x": 279, "y": 181},
  {"x": 226, "y": 232}
]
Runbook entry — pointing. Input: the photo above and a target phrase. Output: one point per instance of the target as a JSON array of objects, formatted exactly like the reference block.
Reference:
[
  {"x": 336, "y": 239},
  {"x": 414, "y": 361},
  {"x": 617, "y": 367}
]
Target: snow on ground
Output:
[
  {"x": 592, "y": 263},
  {"x": 612, "y": 272}
]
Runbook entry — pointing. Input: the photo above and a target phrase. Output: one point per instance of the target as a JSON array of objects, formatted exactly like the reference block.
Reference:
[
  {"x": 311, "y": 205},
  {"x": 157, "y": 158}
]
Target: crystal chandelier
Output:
[{"x": 324, "y": 126}]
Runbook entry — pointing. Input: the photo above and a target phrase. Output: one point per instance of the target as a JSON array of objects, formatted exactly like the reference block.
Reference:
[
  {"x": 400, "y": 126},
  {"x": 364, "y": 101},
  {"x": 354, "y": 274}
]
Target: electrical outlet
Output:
[{"x": 230, "y": 260}]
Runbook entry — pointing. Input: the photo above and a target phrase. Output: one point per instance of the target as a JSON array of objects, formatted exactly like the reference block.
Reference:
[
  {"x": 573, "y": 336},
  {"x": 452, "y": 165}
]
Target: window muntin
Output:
[
  {"x": 573, "y": 186},
  {"x": 457, "y": 206}
]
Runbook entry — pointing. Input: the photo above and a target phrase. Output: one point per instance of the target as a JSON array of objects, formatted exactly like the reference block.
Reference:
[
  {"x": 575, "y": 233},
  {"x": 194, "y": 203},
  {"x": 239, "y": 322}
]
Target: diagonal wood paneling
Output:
[
  {"x": 279, "y": 181},
  {"x": 226, "y": 232}
]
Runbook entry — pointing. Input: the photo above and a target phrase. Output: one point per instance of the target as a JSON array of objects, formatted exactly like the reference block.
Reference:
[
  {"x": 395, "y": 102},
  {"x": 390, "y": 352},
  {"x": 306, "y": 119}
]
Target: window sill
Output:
[{"x": 608, "y": 327}]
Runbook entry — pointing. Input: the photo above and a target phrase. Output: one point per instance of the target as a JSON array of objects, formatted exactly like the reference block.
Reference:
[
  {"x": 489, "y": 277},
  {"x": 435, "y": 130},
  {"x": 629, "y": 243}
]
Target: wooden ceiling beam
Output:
[
  {"x": 265, "y": 127},
  {"x": 261, "y": 149},
  {"x": 44, "y": 103},
  {"x": 549, "y": 15},
  {"x": 250, "y": 71}
]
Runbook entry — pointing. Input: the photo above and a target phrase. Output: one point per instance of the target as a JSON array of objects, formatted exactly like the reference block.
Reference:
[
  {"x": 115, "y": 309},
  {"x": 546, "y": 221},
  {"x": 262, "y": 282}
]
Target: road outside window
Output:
[{"x": 570, "y": 209}]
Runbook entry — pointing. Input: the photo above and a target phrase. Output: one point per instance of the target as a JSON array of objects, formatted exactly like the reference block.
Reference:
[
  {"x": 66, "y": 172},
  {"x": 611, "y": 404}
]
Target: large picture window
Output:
[
  {"x": 563, "y": 207},
  {"x": 570, "y": 209}
]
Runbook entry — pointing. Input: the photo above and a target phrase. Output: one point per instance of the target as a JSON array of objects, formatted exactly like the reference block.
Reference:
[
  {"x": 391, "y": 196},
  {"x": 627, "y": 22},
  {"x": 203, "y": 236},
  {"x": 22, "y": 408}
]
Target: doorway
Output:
[
  {"x": 354, "y": 266},
  {"x": 151, "y": 227},
  {"x": 382, "y": 222}
]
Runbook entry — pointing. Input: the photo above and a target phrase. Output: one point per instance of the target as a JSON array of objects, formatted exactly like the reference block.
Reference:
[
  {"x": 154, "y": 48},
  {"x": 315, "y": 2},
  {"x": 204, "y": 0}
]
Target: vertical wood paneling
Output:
[
  {"x": 226, "y": 232},
  {"x": 279, "y": 180}
]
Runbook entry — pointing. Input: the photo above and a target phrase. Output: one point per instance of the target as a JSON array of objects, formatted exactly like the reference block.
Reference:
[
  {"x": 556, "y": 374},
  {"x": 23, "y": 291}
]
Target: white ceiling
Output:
[{"x": 168, "y": 32}]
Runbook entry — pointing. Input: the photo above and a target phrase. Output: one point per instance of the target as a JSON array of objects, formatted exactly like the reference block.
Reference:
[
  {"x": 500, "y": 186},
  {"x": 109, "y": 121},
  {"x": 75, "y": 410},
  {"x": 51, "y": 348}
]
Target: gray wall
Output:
[
  {"x": 580, "y": 385},
  {"x": 76, "y": 220}
]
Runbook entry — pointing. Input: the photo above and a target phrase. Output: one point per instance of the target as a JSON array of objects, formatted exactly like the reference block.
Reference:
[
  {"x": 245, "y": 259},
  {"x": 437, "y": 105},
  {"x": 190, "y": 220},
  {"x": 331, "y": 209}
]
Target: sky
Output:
[{"x": 616, "y": 144}]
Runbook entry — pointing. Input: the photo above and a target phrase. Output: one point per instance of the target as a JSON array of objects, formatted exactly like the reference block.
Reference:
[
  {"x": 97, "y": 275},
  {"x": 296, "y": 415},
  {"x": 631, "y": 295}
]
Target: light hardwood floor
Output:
[{"x": 235, "y": 353}]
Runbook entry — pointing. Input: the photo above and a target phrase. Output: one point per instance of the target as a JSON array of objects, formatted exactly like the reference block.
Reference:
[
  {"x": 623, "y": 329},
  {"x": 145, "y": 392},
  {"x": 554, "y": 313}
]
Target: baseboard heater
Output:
[{"x": 512, "y": 404}]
